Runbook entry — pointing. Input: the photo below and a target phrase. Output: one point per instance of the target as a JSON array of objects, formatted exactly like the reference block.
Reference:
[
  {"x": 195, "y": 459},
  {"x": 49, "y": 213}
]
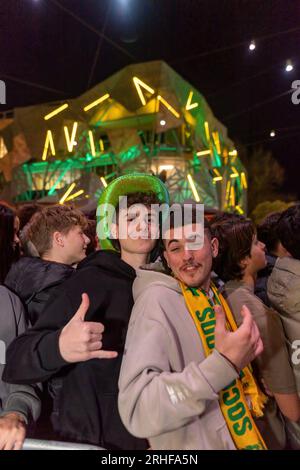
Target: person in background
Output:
[
  {"x": 57, "y": 234},
  {"x": 241, "y": 256},
  {"x": 25, "y": 212},
  {"x": 267, "y": 234},
  {"x": 9, "y": 240},
  {"x": 284, "y": 293},
  {"x": 19, "y": 404}
]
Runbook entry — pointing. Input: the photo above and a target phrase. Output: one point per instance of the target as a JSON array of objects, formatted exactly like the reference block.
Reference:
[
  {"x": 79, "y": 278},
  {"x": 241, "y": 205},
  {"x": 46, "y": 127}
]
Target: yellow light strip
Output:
[
  {"x": 101, "y": 145},
  {"x": 56, "y": 111},
  {"x": 202, "y": 153},
  {"x": 71, "y": 141},
  {"x": 138, "y": 84},
  {"x": 168, "y": 106},
  {"x": 218, "y": 178},
  {"x": 216, "y": 172},
  {"x": 189, "y": 104},
  {"x": 67, "y": 193},
  {"x": 233, "y": 153},
  {"x": 49, "y": 141},
  {"x": 92, "y": 143},
  {"x": 232, "y": 196},
  {"x": 244, "y": 180},
  {"x": 73, "y": 196},
  {"x": 217, "y": 141},
  {"x": 227, "y": 190},
  {"x": 239, "y": 209},
  {"x": 206, "y": 128},
  {"x": 193, "y": 188},
  {"x": 95, "y": 103},
  {"x": 103, "y": 181},
  {"x": 234, "y": 173}
]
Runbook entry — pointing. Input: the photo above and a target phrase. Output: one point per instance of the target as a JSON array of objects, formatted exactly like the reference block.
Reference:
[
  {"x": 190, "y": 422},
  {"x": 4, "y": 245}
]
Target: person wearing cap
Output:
[{"x": 83, "y": 350}]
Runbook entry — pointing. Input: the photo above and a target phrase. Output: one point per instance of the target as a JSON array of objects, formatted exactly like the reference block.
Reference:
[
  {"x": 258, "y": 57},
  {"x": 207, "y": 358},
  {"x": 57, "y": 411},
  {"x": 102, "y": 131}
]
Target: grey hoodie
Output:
[
  {"x": 284, "y": 295},
  {"x": 168, "y": 388},
  {"x": 19, "y": 398}
]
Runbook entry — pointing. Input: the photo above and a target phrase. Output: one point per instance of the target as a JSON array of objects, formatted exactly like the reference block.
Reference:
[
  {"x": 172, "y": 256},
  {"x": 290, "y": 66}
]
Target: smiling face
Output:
[
  {"x": 137, "y": 229},
  {"x": 190, "y": 255}
]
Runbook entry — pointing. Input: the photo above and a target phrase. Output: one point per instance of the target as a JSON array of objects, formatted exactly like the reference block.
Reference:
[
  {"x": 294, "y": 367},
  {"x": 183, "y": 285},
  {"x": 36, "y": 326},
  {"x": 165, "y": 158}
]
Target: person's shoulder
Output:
[
  {"x": 4, "y": 292},
  {"x": 242, "y": 295},
  {"x": 156, "y": 303},
  {"x": 86, "y": 274},
  {"x": 237, "y": 290},
  {"x": 7, "y": 295},
  {"x": 10, "y": 303},
  {"x": 162, "y": 292}
]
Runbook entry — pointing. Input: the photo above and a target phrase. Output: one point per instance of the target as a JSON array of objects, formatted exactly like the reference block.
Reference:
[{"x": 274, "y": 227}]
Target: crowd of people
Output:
[{"x": 182, "y": 340}]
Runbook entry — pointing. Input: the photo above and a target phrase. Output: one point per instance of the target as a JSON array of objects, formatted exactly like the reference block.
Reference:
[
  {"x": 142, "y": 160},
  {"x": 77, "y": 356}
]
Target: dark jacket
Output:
[
  {"x": 87, "y": 408},
  {"x": 34, "y": 280},
  {"x": 262, "y": 280}
]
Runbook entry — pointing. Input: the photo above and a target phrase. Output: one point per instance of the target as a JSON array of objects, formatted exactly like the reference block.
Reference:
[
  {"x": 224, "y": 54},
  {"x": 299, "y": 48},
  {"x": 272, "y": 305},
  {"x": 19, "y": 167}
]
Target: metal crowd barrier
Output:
[{"x": 38, "y": 444}]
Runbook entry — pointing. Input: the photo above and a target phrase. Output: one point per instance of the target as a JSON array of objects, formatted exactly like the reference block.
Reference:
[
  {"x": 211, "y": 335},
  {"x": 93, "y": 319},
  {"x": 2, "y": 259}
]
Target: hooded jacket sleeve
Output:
[
  {"x": 34, "y": 355},
  {"x": 153, "y": 399},
  {"x": 23, "y": 399}
]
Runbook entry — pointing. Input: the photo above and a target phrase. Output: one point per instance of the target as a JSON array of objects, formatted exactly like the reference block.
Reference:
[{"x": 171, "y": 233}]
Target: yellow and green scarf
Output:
[{"x": 235, "y": 397}]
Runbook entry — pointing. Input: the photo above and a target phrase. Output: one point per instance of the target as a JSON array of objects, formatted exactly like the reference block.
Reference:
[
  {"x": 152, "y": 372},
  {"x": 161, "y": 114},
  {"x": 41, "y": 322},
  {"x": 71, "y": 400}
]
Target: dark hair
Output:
[
  {"x": 147, "y": 199},
  {"x": 267, "y": 231},
  {"x": 8, "y": 254},
  {"x": 26, "y": 211},
  {"x": 178, "y": 217},
  {"x": 90, "y": 232},
  {"x": 289, "y": 230},
  {"x": 235, "y": 235}
]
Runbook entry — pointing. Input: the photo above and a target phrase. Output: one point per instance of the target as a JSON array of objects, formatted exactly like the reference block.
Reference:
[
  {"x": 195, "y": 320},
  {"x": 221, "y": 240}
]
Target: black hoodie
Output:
[
  {"x": 87, "y": 408},
  {"x": 34, "y": 281}
]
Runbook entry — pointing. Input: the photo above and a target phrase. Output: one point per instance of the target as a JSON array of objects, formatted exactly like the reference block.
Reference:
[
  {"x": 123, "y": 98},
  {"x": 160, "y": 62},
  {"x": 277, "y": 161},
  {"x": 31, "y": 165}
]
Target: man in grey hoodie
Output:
[
  {"x": 169, "y": 387},
  {"x": 284, "y": 293},
  {"x": 19, "y": 404}
]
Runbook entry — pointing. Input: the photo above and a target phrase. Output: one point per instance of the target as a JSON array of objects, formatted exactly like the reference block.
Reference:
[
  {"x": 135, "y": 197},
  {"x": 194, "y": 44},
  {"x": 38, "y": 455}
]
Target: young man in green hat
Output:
[{"x": 71, "y": 349}]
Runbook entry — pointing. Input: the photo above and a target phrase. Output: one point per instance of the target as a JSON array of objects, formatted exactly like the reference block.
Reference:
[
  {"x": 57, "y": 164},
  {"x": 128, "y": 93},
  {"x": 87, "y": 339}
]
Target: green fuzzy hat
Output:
[{"x": 123, "y": 186}]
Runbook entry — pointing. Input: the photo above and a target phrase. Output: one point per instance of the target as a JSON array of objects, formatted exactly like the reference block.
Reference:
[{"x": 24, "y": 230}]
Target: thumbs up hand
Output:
[
  {"x": 81, "y": 340},
  {"x": 242, "y": 345}
]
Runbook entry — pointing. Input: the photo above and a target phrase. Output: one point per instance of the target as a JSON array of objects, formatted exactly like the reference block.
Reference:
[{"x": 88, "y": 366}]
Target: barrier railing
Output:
[{"x": 38, "y": 444}]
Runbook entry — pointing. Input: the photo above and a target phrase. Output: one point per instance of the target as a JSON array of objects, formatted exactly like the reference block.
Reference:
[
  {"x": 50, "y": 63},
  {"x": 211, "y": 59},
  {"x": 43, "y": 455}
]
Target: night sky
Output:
[{"x": 206, "y": 41}]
